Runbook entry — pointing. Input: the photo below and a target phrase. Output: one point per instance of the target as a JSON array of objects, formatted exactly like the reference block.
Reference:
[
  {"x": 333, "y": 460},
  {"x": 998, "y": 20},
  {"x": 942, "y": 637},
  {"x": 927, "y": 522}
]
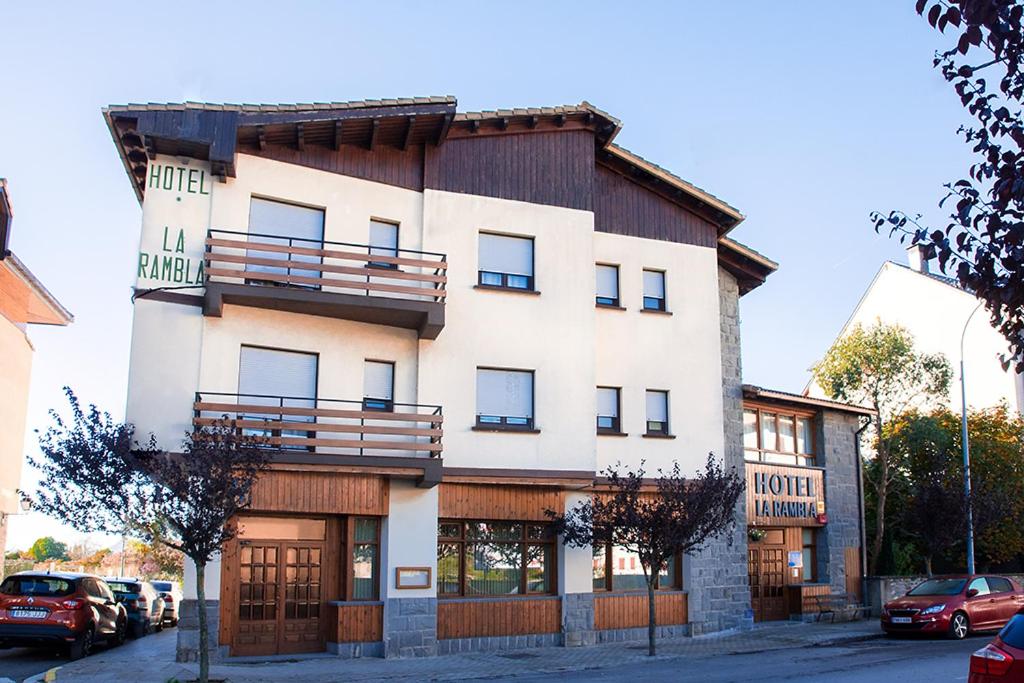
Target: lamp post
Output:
[{"x": 965, "y": 446}]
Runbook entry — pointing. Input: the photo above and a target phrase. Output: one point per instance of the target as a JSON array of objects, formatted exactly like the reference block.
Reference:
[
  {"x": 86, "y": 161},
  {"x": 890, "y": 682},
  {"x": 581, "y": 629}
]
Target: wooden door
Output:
[
  {"x": 280, "y": 598},
  {"x": 301, "y": 626},
  {"x": 256, "y": 631},
  {"x": 766, "y": 569}
]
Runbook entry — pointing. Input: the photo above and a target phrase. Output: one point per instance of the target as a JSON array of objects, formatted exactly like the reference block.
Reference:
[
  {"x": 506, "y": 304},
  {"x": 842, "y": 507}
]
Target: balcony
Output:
[
  {"x": 395, "y": 287},
  {"x": 394, "y": 438}
]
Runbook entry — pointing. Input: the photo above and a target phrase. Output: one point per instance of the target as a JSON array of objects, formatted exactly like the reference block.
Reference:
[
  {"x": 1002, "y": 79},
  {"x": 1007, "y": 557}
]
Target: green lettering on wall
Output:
[
  {"x": 180, "y": 246},
  {"x": 202, "y": 182},
  {"x": 179, "y": 269},
  {"x": 168, "y": 178},
  {"x": 154, "y": 175},
  {"x": 143, "y": 260},
  {"x": 166, "y": 267},
  {"x": 192, "y": 182}
]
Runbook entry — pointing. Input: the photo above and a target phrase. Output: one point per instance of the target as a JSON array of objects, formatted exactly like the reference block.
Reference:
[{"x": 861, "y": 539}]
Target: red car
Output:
[
  {"x": 70, "y": 610},
  {"x": 1002, "y": 660},
  {"x": 954, "y": 606}
]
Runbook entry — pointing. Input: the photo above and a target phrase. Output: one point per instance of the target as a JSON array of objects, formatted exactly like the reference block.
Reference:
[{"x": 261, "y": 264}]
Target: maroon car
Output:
[
  {"x": 954, "y": 606},
  {"x": 1002, "y": 660}
]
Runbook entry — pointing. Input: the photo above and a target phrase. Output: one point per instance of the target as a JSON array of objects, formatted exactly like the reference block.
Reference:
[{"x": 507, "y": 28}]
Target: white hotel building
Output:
[{"x": 453, "y": 321}]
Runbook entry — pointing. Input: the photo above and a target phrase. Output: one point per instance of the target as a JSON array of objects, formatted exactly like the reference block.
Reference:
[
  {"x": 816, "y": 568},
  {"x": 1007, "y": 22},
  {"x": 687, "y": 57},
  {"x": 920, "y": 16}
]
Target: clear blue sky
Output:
[{"x": 804, "y": 115}]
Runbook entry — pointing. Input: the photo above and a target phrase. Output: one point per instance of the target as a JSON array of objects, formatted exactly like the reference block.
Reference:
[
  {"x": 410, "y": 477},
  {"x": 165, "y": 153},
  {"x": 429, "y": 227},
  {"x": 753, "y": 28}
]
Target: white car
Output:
[{"x": 170, "y": 591}]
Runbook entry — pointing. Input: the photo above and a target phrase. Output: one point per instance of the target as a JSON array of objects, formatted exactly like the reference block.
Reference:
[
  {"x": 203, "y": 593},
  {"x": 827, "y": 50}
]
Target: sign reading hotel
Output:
[
  {"x": 784, "y": 496},
  {"x": 175, "y": 218}
]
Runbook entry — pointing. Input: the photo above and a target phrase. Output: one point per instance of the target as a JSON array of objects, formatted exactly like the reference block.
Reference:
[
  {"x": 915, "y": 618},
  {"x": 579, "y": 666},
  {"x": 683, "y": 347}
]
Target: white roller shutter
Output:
[
  {"x": 272, "y": 373},
  {"x": 608, "y": 281},
  {"x": 504, "y": 254},
  {"x": 504, "y": 393},
  {"x": 378, "y": 380},
  {"x": 657, "y": 406},
  {"x": 383, "y": 238},
  {"x": 607, "y": 402},
  {"x": 273, "y": 222},
  {"x": 654, "y": 284}
]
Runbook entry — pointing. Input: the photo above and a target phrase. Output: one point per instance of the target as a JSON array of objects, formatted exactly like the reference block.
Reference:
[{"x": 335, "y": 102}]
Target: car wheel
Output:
[
  {"x": 174, "y": 622},
  {"x": 82, "y": 646},
  {"x": 159, "y": 625},
  {"x": 120, "y": 633},
  {"x": 959, "y": 626}
]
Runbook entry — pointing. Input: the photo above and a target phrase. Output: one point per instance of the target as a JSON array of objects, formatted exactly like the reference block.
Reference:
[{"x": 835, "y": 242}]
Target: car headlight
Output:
[{"x": 934, "y": 609}]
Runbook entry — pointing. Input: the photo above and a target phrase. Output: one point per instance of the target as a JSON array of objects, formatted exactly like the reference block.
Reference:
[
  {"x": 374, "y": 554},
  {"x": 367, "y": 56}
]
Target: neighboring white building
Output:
[{"x": 934, "y": 309}]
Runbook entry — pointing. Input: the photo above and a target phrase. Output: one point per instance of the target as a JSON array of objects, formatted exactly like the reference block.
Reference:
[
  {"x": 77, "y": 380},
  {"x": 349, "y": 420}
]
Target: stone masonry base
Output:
[
  {"x": 356, "y": 650},
  {"x": 188, "y": 631},
  {"x": 626, "y": 635},
  {"x": 410, "y": 627},
  {"x": 456, "y": 645}
]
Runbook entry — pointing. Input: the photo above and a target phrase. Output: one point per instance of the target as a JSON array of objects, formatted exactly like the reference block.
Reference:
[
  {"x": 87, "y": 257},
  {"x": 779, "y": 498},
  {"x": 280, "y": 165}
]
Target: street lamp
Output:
[
  {"x": 26, "y": 506},
  {"x": 965, "y": 446}
]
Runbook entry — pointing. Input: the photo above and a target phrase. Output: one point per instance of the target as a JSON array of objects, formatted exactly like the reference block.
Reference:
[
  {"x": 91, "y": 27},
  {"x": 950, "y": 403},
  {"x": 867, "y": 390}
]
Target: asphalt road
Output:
[
  {"x": 876, "y": 661},
  {"x": 18, "y": 663}
]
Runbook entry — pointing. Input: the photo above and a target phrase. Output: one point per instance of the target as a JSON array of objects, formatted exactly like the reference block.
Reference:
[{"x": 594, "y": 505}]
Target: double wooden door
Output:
[
  {"x": 280, "y": 598},
  {"x": 766, "y": 568}
]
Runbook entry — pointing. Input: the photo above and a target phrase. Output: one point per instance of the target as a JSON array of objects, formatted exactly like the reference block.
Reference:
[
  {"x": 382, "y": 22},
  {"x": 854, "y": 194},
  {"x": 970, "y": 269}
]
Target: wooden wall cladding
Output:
[
  {"x": 618, "y": 610},
  {"x": 382, "y": 164},
  {"x": 490, "y": 502},
  {"x": 357, "y": 622},
  {"x": 320, "y": 492},
  {"x": 505, "y": 617},
  {"x": 554, "y": 168},
  {"x": 851, "y": 555},
  {"x": 623, "y": 207},
  {"x": 802, "y": 597}
]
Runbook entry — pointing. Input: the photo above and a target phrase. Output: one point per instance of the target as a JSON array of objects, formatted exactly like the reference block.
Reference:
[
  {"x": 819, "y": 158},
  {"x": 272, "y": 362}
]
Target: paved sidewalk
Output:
[{"x": 151, "y": 660}]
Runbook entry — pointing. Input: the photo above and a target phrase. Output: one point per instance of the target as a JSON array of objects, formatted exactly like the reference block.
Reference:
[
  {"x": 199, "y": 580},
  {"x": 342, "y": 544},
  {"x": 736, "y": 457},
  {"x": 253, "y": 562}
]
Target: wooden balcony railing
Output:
[
  {"x": 262, "y": 259},
  {"x": 326, "y": 426}
]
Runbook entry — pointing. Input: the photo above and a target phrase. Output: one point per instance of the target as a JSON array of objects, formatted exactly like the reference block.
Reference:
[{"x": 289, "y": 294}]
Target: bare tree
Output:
[
  {"x": 676, "y": 516},
  {"x": 95, "y": 477}
]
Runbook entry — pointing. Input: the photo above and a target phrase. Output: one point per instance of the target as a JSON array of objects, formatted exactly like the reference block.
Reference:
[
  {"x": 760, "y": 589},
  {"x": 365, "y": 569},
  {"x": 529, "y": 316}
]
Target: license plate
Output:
[
  {"x": 23, "y": 613},
  {"x": 902, "y": 620}
]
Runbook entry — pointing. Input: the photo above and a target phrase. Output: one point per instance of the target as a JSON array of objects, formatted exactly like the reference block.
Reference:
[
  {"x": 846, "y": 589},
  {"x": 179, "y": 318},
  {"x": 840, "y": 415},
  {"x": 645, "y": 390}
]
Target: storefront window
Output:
[
  {"x": 365, "y": 558},
  {"x": 810, "y": 555},
  {"x": 775, "y": 437},
  {"x": 494, "y": 558},
  {"x": 617, "y": 569}
]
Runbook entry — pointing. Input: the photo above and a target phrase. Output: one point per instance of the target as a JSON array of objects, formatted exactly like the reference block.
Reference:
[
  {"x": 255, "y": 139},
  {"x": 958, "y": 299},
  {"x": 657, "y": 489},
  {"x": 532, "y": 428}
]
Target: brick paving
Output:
[{"x": 151, "y": 660}]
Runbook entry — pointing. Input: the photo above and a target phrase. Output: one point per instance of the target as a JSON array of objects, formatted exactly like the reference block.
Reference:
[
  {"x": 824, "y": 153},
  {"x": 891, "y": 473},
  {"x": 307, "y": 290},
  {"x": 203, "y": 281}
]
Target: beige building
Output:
[
  {"x": 446, "y": 323},
  {"x": 24, "y": 301}
]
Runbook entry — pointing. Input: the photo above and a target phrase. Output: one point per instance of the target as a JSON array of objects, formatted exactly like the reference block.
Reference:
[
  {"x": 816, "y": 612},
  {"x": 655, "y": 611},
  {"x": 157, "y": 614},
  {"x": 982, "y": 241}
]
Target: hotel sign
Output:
[{"x": 778, "y": 495}]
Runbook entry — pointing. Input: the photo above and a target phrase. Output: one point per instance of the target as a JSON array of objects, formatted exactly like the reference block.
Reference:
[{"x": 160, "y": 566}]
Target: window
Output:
[
  {"x": 275, "y": 378},
  {"x": 383, "y": 242},
  {"x": 378, "y": 385},
  {"x": 654, "y": 290},
  {"x": 279, "y": 223},
  {"x": 980, "y": 585},
  {"x": 504, "y": 399},
  {"x": 494, "y": 558},
  {"x": 365, "y": 557},
  {"x": 999, "y": 585},
  {"x": 607, "y": 285},
  {"x": 810, "y": 555},
  {"x": 617, "y": 569},
  {"x": 778, "y": 437},
  {"x": 608, "y": 402},
  {"x": 506, "y": 261},
  {"x": 657, "y": 412}
]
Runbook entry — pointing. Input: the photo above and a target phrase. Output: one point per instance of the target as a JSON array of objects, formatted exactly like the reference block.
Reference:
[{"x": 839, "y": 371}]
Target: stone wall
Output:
[
  {"x": 716, "y": 579},
  {"x": 410, "y": 627},
  {"x": 578, "y": 619},
  {"x": 837, "y": 434},
  {"x": 188, "y": 631}
]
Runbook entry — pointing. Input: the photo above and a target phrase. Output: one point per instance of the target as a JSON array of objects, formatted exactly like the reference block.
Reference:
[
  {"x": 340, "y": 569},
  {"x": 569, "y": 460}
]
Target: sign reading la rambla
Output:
[{"x": 169, "y": 264}]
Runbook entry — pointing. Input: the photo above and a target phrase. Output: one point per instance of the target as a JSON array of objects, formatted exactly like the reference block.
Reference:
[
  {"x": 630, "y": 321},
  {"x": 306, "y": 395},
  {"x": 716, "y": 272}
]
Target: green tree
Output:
[
  {"x": 48, "y": 548},
  {"x": 879, "y": 367}
]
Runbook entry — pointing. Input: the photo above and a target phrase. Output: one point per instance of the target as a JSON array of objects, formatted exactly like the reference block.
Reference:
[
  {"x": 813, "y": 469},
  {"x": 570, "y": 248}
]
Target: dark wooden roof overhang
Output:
[
  {"x": 752, "y": 392},
  {"x": 750, "y": 268},
  {"x": 583, "y": 116},
  {"x": 215, "y": 133},
  {"x": 6, "y": 219}
]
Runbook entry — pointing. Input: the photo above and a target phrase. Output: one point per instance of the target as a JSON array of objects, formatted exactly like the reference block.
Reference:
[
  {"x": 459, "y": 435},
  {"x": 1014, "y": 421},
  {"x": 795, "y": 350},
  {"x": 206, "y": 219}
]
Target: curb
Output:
[
  {"x": 846, "y": 640},
  {"x": 46, "y": 677}
]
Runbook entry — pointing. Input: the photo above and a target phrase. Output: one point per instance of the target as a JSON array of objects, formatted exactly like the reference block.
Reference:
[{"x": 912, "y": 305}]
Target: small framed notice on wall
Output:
[{"x": 412, "y": 577}]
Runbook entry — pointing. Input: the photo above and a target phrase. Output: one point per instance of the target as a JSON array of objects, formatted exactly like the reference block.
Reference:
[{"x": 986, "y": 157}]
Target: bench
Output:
[{"x": 840, "y": 603}]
